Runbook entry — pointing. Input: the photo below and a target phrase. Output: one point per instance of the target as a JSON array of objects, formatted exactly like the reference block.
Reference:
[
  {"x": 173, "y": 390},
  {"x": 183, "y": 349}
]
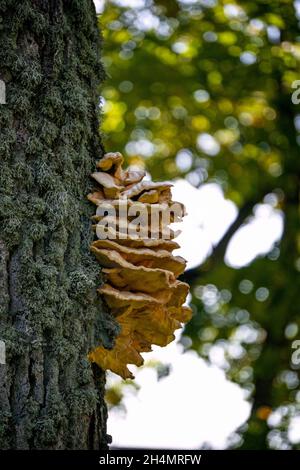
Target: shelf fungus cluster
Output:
[{"x": 134, "y": 247}]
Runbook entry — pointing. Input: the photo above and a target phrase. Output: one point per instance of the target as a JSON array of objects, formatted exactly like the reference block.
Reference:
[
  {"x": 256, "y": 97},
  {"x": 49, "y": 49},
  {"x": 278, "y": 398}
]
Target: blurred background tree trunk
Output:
[{"x": 50, "y": 315}]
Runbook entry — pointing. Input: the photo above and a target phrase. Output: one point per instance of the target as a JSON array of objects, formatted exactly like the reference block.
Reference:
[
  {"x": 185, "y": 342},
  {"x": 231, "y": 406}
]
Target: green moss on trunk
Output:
[{"x": 50, "y": 314}]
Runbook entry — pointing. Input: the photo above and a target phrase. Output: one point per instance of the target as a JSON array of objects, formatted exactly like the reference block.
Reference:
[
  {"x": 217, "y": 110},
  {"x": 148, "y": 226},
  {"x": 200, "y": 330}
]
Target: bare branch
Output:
[{"x": 218, "y": 253}]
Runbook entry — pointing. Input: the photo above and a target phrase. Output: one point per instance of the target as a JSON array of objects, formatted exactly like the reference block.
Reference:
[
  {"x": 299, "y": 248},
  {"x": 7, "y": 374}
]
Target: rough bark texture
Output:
[{"x": 50, "y": 315}]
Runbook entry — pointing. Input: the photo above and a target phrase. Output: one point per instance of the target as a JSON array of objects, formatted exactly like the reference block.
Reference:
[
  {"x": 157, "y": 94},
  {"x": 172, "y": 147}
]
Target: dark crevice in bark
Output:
[{"x": 91, "y": 434}]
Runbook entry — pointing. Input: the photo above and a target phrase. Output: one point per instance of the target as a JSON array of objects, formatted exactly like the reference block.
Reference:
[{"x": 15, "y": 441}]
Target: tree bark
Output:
[{"x": 50, "y": 314}]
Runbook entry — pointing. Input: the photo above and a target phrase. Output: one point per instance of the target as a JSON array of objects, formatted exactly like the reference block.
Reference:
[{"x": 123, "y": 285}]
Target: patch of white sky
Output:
[{"x": 195, "y": 404}]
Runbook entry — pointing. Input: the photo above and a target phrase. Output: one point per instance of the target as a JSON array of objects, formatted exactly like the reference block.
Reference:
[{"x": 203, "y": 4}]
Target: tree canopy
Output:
[{"x": 203, "y": 90}]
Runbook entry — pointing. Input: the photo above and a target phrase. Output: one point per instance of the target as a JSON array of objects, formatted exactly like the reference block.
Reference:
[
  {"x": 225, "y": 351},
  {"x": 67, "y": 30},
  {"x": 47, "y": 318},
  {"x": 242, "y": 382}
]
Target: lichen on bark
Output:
[{"x": 50, "y": 314}]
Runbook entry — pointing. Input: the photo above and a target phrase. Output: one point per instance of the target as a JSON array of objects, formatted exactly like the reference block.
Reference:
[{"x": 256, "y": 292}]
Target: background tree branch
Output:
[{"x": 219, "y": 250}]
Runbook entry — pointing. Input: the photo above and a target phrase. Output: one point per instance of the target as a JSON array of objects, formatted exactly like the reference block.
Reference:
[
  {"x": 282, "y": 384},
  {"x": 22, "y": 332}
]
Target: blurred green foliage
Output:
[{"x": 213, "y": 79}]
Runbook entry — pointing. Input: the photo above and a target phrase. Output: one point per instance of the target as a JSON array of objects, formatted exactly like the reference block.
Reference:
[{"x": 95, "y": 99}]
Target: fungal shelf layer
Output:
[{"x": 141, "y": 287}]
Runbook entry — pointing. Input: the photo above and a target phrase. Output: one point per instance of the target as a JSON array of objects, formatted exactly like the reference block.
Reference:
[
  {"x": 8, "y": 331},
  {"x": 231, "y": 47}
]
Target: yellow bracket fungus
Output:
[{"x": 141, "y": 288}]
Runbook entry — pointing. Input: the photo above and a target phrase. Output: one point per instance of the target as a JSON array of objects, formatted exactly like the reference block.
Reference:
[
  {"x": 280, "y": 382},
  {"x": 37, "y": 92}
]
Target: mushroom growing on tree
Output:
[{"x": 141, "y": 288}]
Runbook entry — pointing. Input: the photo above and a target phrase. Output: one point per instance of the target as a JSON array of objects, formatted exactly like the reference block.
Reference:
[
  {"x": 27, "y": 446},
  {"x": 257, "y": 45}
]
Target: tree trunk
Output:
[{"x": 50, "y": 315}]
